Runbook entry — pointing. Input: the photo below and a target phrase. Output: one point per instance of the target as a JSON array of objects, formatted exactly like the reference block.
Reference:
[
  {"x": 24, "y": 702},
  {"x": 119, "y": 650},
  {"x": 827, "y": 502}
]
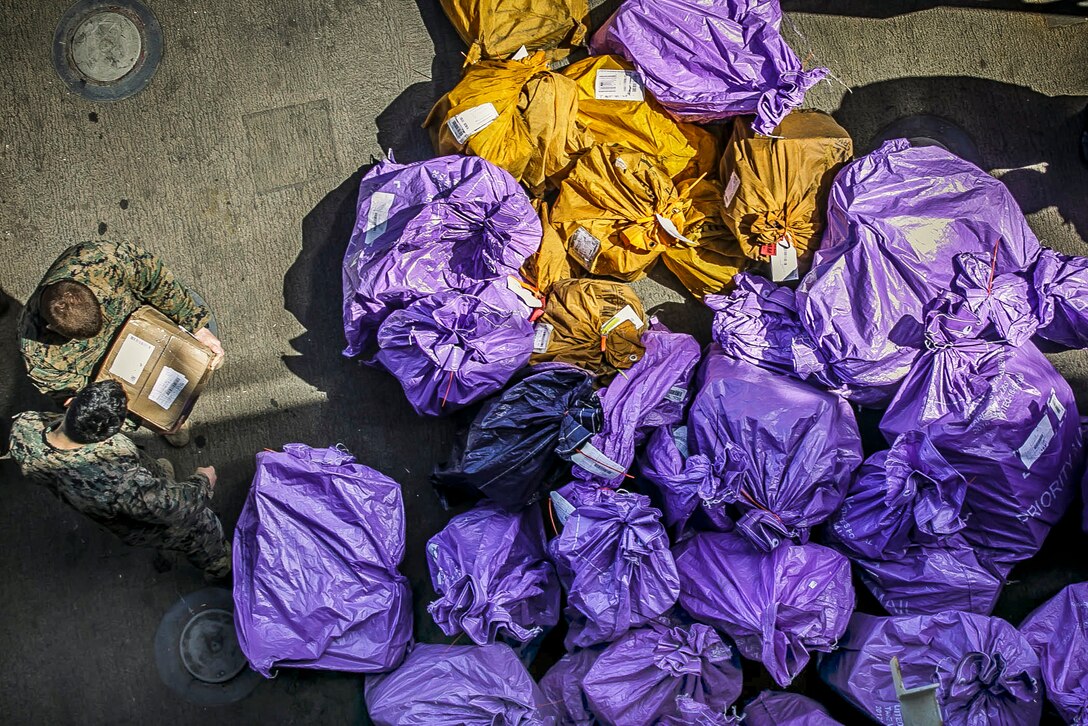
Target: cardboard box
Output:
[{"x": 161, "y": 366}]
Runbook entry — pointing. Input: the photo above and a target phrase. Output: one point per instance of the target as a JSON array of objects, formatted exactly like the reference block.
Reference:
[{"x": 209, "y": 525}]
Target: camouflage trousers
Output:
[{"x": 200, "y": 538}]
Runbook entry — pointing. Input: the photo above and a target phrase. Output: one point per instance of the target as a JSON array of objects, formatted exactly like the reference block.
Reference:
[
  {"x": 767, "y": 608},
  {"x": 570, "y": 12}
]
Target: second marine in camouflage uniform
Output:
[
  {"x": 123, "y": 276},
  {"x": 125, "y": 490}
]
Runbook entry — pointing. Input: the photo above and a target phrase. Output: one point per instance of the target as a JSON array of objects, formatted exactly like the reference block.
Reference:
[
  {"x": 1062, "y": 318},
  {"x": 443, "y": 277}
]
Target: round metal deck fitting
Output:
[
  {"x": 106, "y": 50},
  {"x": 197, "y": 652},
  {"x": 927, "y": 130}
]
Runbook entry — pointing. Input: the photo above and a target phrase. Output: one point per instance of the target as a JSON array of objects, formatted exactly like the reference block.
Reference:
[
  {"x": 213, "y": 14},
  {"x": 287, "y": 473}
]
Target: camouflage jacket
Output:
[
  {"x": 112, "y": 482},
  {"x": 123, "y": 276}
]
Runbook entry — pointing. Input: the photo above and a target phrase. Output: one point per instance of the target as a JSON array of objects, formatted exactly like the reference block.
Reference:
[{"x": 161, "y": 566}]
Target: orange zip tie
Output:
[
  {"x": 551, "y": 515},
  {"x": 447, "y": 393},
  {"x": 603, "y": 348},
  {"x": 993, "y": 268}
]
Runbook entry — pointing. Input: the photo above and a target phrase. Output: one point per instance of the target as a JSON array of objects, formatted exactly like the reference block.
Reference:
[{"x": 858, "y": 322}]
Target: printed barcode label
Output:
[
  {"x": 168, "y": 387},
  {"x": 378, "y": 215},
  {"x": 593, "y": 460},
  {"x": 784, "y": 263},
  {"x": 585, "y": 246},
  {"x": 676, "y": 394},
  {"x": 617, "y": 85},
  {"x": 731, "y": 189},
  {"x": 542, "y": 337},
  {"x": 472, "y": 121},
  {"x": 1037, "y": 442},
  {"x": 1056, "y": 406},
  {"x": 563, "y": 508}
]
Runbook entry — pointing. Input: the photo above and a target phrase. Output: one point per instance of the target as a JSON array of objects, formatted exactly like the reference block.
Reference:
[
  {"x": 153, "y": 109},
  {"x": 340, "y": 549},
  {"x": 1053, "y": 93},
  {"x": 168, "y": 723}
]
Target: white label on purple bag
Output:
[
  {"x": 378, "y": 214},
  {"x": 542, "y": 337},
  {"x": 585, "y": 246},
  {"x": 731, "y": 189},
  {"x": 472, "y": 121},
  {"x": 1037, "y": 442},
  {"x": 563, "y": 508},
  {"x": 617, "y": 85},
  {"x": 593, "y": 460},
  {"x": 1056, "y": 406},
  {"x": 676, "y": 394}
]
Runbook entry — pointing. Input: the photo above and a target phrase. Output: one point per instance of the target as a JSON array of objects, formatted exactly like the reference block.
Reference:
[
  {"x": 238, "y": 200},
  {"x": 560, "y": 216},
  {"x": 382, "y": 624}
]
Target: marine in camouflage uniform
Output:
[
  {"x": 124, "y": 277},
  {"x": 126, "y": 491}
]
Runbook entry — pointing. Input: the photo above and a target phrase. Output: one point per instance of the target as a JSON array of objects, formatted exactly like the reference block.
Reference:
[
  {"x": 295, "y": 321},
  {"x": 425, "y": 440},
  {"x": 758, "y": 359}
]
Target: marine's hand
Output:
[
  {"x": 206, "y": 337},
  {"x": 208, "y": 471}
]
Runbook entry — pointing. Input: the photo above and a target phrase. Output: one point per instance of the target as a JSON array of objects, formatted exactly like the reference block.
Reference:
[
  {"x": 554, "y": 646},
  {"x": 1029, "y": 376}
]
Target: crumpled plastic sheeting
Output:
[
  {"x": 441, "y": 224},
  {"x": 1006, "y": 301},
  {"x": 689, "y": 483},
  {"x": 575, "y": 313},
  {"x": 1062, "y": 285},
  {"x": 901, "y": 523},
  {"x": 498, "y": 28},
  {"x": 457, "y": 684},
  {"x": 316, "y": 551},
  {"x": 1004, "y": 419},
  {"x": 651, "y": 394},
  {"x": 758, "y": 322},
  {"x": 644, "y": 675},
  {"x": 777, "y": 606},
  {"x": 895, "y": 220},
  {"x": 781, "y": 451},
  {"x": 614, "y": 561},
  {"x": 562, "y": 687},
  {"x": 1058, "y": 631},
  {"x": 781, "y": 708},
  {"x": 535, "y": 134},
  {"x": 684, "y": 150},
  {"x": 690, "y": 712},
  {"x": 709, "y": 61},
  {"x": 985, "y": 670},
  {"x": 454, "y": 348},
  {"x": 518, "y": 441},
  {"x": 492, "y": 576},
  {"x": 777, "y": 186}
]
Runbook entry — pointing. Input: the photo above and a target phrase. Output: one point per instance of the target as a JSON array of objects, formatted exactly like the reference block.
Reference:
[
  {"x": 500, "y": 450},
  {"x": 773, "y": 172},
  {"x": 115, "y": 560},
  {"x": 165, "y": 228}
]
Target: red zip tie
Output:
[
  {"x": 551, "y": 515},
  {"x": 993, "y": 267},
  {"x": 447, "y": 393}
]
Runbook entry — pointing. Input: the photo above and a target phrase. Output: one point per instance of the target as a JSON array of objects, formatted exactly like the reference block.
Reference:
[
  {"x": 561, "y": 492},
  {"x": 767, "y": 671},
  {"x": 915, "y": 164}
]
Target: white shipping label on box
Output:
[
  {"x": 731, "y": 189},
  {"x": 472, "y": 121},
  {"x": 378, "y": 215},
  {"x": 784, "y": 263},
  {"x": 616, "y": 85},
  {"x": 131, "y": 359},
  {"x": 542, "y": 337},
  {"x": 593, "y": 460},
  {"x": 168, "y": 387},
  {"x": 585, "y": 246},
  {"x": 1037, "y": 442}
]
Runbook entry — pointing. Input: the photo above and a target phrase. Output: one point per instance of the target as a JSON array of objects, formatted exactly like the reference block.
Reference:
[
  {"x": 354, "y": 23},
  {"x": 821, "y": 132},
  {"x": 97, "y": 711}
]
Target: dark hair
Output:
[
  {"x": 96, "y": 413},
  {"x": 71, "y": 309}
]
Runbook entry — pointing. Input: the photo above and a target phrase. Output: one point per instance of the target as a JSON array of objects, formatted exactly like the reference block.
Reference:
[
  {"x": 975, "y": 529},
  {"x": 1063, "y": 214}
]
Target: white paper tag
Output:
[
  {"x": 563, "y": 508},
  {"x": 1037, "y": 442},
  {"x": 522, "y": 54},
  {"x": 542, "y": 337},
  {"x": 472, "y": 121},
  {"x": 585, "y": 246},
  {"x": 131, "y": 359},
  {"x": 680, "y": 438},
  {"x": 168, "y": 387},
  {"x": 1056, "y": 406},
  {"x": 677, "y": 394},
  {"x": 626, "y": 315},
  {"x": 378, "y": 214},
  {"x": 593, "y": 460},
  {"x": 731, "y": 189},
  {"x": 671, "y": 230},
  {"x": 784, "y": 262},
  {"x": 617, "y": 85},
  {"x": 526, "y": 296}
]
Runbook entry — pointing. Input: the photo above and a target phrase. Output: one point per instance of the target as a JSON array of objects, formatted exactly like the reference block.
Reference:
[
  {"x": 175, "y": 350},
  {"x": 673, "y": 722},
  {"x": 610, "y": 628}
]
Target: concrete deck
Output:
[{"x": 239, "y": 163}]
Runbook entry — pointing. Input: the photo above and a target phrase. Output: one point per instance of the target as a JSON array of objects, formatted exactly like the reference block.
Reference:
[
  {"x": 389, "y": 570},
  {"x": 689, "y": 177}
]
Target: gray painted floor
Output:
[{"x": 239, "y": 163}]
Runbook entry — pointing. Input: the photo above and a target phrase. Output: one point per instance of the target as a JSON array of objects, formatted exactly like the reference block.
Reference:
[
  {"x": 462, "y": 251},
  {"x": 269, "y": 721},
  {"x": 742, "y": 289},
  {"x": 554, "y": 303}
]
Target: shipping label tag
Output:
[
  {"x": 131, "y": 359},
  {"x": 585, "y": 246},
  {"x": 472, "y": 121},
  {"x": 593, "y": 460},
  {"x": 1037, "y": 442},
  {"x": 618, "y": 85},
  {"x": 168, "y": 387},
  {"x": 731, "y": 189},
  {"x": 526, "y": 295},
  {"x": 378, "y": 215},
  {"x": 1056, "y": 406},
  {"x": 676, "y": 394},
  {"x": 625, "y": 315},
  {"x": 542, "y": 337},
  {"x": 522, "y": 54},
  {"x": 563, "y": 508},
  {"x": 671, "y": 230},
  {"x": 784, "y": 262}
]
